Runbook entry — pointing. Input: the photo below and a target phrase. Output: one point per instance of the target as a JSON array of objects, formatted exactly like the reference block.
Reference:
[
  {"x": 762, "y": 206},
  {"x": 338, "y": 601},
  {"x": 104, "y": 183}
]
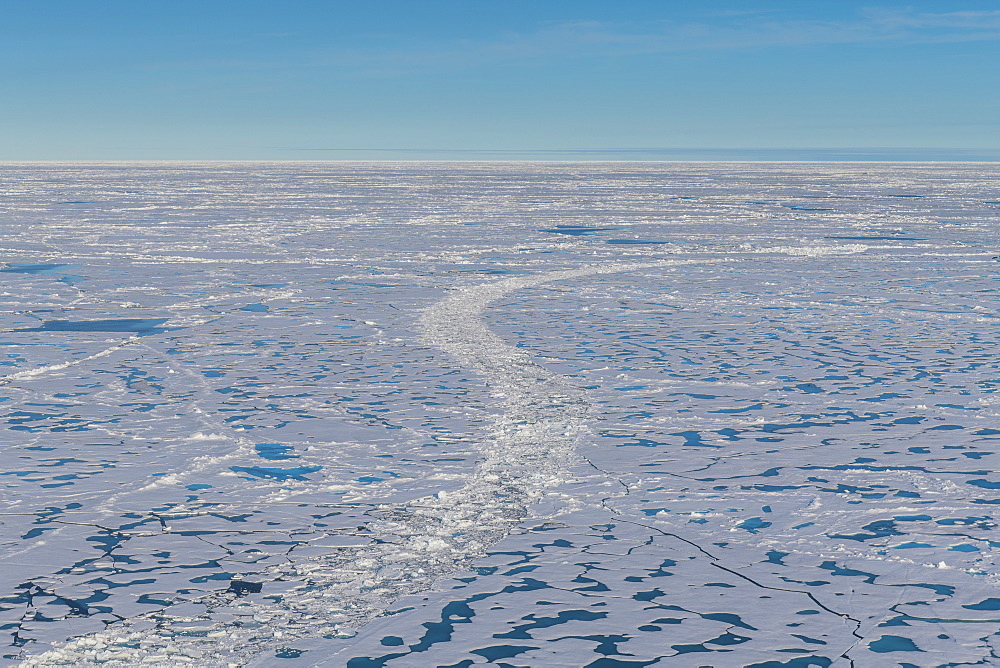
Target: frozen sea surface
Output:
[{"x": 552, "y": 414}]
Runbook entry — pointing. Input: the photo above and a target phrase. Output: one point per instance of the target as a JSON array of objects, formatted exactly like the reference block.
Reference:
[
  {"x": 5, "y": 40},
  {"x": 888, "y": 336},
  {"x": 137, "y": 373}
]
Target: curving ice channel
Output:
[{"x": 523, "y": 460}]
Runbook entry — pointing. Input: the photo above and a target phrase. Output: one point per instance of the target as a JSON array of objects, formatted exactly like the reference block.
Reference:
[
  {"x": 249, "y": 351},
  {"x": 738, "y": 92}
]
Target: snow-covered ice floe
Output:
[{"x": 511, "y": 414}]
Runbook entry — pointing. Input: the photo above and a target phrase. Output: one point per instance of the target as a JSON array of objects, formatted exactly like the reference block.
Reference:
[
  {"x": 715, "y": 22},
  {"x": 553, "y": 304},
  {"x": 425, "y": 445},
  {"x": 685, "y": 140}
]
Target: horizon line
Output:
[
  {"x": 635, "y": 149},
  {"x": 609, "y": 154}
]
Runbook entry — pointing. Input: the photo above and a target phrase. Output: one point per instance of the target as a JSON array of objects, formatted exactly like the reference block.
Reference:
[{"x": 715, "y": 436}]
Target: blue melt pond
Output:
[
  {"x": 140, "y": 326},
  {"x": 275, "y": 451},
  {"x": 298, "y": 473},
  {"x": 256, "y": 308},
  {"x": 753, "y": 524},
  {"x": 893, "y": 644},
  {"x": 988, "y": 604},
  {"x": 25, "y": 268}
]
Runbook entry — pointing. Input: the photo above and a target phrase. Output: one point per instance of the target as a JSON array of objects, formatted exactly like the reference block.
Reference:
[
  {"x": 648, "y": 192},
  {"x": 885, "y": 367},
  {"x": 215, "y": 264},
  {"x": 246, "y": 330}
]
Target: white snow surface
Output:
[{"x": 508, "y": 414}]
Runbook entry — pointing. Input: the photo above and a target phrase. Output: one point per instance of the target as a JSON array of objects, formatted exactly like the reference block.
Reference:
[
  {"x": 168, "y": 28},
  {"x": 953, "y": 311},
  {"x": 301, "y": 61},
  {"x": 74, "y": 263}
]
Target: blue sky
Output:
[{"x": 519, "y": 79}]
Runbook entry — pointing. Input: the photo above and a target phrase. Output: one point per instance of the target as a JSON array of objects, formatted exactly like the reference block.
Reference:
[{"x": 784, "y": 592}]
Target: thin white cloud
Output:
[
  {"x": 967, "y": 20},
  {"x": 584, "y": 38},
  {"x": 751, "y": 30},
  {"x": 573, "y": 39}
]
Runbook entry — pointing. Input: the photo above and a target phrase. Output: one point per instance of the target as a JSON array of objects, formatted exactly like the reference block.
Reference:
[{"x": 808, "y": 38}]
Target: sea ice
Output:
[{"x": 551, "y": 414}]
